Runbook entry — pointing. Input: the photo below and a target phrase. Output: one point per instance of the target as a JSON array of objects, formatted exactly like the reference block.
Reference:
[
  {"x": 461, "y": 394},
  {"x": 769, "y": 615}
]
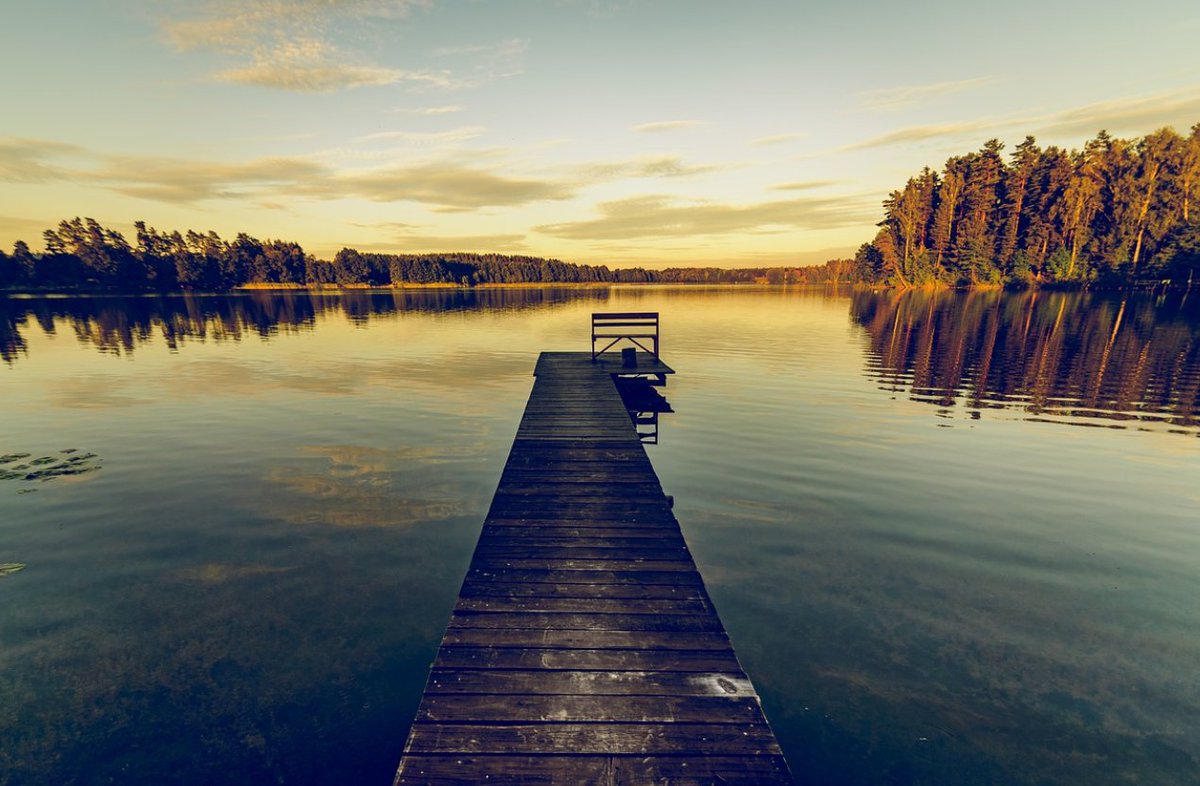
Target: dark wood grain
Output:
[
  {"x": 604, "y": 770},
  {"x": 583, "y": 648}
]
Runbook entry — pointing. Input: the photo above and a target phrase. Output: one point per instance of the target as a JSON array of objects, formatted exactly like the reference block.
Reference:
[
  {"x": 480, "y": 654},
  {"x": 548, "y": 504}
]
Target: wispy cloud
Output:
[
  {"x": 431, "y": 110},
  {"x": 642, "y": 167},
  {"x": 656, "y": 216},
  {"x": 889, "y": 99},
  {"x": 500, "y": 50},
  {"x": 236, "y": 25},
  {"x": 777, "y": 139},
  {"x": 445, "y": 184},
  {"x": 803, "y": 185},
  {"x": 664, "y": 125},
  {"x": 32, "y": 160},
  {"x": 185, "y": 181},
  {"x": 426, "y": 138},
  {"x": 1133, "y": 114},
  {"x": 1177, "y": 108},
  {"x": 314, "y": 67},
  {"x": 288, "y": 44},
  {"x": 920, "y": 133}
]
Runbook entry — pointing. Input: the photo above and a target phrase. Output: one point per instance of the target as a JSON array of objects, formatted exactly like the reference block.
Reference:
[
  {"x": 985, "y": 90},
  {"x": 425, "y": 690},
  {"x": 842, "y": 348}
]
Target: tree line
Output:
[
  {"x": 81, "y": 254},
  {"x": 1117, "y": 211}
]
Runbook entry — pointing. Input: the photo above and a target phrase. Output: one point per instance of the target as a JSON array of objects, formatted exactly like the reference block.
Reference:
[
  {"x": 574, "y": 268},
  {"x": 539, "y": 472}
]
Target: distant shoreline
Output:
[
  {"x": 350, "y": 288},
  {"x": 334, "y": 289}
]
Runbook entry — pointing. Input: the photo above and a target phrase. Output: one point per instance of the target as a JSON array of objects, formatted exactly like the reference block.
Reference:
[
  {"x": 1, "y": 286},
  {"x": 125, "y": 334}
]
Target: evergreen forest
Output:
[{"x": 1119, "y": 212}]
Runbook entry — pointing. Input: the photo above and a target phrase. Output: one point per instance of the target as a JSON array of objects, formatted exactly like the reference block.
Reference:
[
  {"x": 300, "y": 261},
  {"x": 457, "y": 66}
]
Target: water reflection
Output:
[
  {"x": 1081, "y": 358},
  {"x": 360, "y": 486},
  {"x": 118, "y": 325}
]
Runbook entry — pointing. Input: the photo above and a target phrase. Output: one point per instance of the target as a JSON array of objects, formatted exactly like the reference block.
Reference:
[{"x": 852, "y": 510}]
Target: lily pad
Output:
[
  {"x": 9, "y": 458},
  {"x": 37, "y": 462},
  {"x": 9, "y": 568}
]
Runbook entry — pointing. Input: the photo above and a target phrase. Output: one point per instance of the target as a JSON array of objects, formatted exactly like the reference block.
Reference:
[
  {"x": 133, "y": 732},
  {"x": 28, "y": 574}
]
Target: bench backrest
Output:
[{"x": 634, "y": 326}]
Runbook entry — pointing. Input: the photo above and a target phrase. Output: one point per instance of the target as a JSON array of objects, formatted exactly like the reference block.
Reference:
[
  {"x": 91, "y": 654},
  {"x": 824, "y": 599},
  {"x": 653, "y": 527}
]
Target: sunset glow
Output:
[{"x": 594, "y": 131}]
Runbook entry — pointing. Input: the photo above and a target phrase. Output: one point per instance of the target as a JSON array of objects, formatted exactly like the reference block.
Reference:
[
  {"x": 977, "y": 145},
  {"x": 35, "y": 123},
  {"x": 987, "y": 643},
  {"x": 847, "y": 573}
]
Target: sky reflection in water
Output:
[{"x": 927, "y": 582}]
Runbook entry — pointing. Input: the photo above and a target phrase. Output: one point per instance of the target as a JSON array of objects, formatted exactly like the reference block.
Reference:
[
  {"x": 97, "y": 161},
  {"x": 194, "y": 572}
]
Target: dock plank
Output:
[{"x": 583, "y": 647}]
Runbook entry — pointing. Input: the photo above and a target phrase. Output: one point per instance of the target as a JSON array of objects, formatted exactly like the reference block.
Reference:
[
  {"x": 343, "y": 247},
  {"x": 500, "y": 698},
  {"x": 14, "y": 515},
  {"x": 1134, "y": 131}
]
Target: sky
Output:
[{"x": 618, "y": 132}]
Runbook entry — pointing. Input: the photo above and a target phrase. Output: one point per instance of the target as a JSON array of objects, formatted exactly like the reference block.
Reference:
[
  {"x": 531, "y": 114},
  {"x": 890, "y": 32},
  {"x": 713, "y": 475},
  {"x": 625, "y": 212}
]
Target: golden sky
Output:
[{"x": 634, "y": 132}]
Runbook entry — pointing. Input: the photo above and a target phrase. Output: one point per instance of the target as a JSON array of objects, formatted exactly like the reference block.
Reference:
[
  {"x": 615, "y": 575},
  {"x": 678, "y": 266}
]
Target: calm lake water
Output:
[{"x": 953, "y": 536}]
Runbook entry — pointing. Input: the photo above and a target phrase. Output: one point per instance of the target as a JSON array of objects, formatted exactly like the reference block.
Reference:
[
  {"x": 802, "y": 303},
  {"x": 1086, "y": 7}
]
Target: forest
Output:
[
  {"x": 81, "y": 254},
  {"x": 1119, "y": 211}
]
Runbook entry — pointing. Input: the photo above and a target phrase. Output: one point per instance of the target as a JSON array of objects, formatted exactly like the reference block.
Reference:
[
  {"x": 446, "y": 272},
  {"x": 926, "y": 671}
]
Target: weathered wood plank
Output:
[
  {"x": 587, "y": 639},
  {"x": 574, "y": 620},
  {"x": 484, "y": 562},
  {"x": 597, "y": 605},
  {"x": 611, "y": 683},
  {"x": 558, "y": 659},
  {"x": 602, "y": 770},
  {"x": 581, "y": 538},
  {"x": 568, "y": 532},
  {"x": 593, "y": 738},
  {"x": 482, "y": 708},
  {"x": 644, "y": 523},
  {"x": 583, "y": 647},
  {"x": 637, "y": 577},
  {"x": 493, "y": 589},
  {"x": 490, "y": 550}
]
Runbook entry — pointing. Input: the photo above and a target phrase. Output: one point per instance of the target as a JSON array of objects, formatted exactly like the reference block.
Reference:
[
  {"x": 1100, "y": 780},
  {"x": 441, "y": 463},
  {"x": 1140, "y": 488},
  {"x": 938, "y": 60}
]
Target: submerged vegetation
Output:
[{"x": 23, "y": 467}]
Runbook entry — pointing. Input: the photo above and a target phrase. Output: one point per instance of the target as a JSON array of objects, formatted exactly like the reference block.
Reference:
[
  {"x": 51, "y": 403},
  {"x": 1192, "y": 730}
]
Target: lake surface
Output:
[{"x": 954, "y": 537}]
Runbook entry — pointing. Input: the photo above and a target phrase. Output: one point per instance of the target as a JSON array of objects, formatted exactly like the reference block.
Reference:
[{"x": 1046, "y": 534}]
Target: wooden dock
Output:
[{"x": 584, "y": 648}]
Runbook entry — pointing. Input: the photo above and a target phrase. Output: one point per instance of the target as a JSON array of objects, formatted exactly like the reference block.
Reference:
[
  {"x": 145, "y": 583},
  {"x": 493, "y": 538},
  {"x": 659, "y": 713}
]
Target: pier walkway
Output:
[{"x": 583, "y": 648}]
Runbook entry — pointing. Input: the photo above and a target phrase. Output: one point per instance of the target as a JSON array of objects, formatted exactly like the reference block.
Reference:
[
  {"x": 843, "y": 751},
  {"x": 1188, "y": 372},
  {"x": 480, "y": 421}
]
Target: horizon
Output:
[{"x": 601, "y": 133}]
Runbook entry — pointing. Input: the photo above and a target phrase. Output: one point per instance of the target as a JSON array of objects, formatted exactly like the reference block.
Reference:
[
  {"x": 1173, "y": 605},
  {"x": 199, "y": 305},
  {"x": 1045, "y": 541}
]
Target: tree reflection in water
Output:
[{"x": 1074, "y": 357}]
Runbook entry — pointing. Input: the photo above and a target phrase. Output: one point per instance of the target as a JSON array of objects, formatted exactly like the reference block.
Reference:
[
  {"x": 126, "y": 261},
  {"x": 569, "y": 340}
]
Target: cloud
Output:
[
  {"x": 315, "y": 67},
  {"x": 656, "y": 216},
  {"x": 287, "y": 44},
  {"x": 803, "y": 185},
  {"x": 431, "y": 110},
  {"x": 1134, "y": 114},
  {"x": 30, "y": 160},
  {"x": 426, "y": 138},
  {"x": 314, "y": 77},
  {"x": 777, "y": 139},
  {"x": 238, "y": 25},
  {"x": 445, "y": 184},
  {"x": 1179, "y": 109},
  {"x": 920, "y": 133},
  {"x": 664, "y": 125},
  {"x": 503, "y": 49},
  {"x": 641, "y": 167},
  {"x": 889, "y": 99},
  {"x": 181, "y": 180}
]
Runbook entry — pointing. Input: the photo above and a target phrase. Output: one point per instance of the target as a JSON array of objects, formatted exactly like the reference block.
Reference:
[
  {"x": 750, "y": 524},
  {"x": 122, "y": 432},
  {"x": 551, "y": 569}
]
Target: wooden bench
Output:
[{"x": 633, "y": 326}]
